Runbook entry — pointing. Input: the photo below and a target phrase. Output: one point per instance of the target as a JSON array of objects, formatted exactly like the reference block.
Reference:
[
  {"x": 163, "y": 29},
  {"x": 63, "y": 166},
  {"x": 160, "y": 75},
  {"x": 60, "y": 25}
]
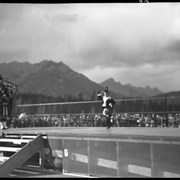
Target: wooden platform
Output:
[
  {"x": 113, "y": 132},
  {"x": 117, "y": 152}
]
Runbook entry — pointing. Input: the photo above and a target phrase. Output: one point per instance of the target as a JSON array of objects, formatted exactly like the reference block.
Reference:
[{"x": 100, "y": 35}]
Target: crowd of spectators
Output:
[{"x": 97, "y": 120}]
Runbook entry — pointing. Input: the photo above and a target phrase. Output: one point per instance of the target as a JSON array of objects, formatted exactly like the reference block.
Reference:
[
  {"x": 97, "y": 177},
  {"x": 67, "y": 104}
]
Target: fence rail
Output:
[
  {"x": 141, "y": 105},
  {"x": 86, "y": 102}
]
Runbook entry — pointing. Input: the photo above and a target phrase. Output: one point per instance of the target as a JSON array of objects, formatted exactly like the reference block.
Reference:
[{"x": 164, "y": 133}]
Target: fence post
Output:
[
  {"x": 118, "y": 158},
  {"x": 88, "y": 153}
]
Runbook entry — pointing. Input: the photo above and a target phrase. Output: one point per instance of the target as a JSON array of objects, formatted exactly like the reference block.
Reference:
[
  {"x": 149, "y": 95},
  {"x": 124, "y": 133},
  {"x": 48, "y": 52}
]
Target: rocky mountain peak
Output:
[{"x": 130, "y": 90}]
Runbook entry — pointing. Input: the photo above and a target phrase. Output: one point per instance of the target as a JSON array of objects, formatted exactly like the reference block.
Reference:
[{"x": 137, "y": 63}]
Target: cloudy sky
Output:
[{"x": 136, "y": 43}]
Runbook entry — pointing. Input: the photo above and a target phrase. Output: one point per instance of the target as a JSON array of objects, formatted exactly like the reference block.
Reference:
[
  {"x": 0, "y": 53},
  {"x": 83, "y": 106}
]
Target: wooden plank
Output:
[
  {"x": 9, "y": 149},
  {"x": 3, "y": 158},
  {"x": 23, "y": 135},
  {"x": 28, "y": 137},
  {"x": 22, "y": 156},
  {"x": 15, "y": 141}
]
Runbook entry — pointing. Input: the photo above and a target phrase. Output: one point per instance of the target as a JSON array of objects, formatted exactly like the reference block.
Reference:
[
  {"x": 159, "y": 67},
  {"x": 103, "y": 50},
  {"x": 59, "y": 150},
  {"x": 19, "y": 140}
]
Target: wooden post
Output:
[
  {"x": 118, "y": 158},
  {"x": 88, "y": 154}
]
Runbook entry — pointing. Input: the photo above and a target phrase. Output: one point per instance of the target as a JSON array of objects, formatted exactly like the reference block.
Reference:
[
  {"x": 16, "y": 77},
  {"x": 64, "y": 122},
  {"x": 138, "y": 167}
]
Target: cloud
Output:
[
  {"x": 124, "y": 36},
  {"x": 174, "y": 47},
  {"x": 95, "y": 34},
  {"x": 134, "y": 43},
  {"x": 10, "y": 11},
  {"x": 165, "y": 77},
  {"x": 14, "y": 55}
]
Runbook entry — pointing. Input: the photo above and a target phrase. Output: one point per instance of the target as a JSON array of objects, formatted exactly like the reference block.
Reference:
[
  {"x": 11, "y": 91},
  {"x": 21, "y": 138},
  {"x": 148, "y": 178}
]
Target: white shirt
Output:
[{"x": 105, "y": 100}]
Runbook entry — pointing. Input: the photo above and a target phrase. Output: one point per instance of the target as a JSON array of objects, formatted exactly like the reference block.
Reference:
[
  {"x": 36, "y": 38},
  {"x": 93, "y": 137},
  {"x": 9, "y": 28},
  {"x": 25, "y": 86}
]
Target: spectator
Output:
[{"x": 97, "y": 120}]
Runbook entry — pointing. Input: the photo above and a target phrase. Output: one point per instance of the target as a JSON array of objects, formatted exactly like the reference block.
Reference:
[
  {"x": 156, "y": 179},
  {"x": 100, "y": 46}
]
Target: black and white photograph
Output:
[{"x": 90, "y": 90}]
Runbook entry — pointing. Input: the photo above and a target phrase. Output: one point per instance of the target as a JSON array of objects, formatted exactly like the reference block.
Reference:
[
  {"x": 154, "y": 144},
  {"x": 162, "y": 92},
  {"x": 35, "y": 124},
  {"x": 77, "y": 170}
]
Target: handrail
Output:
[{"x": 20, "y": 157}]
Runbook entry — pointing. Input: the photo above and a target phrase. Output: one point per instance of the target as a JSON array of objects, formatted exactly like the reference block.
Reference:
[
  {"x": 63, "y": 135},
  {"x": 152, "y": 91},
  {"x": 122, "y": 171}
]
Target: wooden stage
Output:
[
  {"x": 113, "y": 132},
  {"x": 117, "y": 152}
]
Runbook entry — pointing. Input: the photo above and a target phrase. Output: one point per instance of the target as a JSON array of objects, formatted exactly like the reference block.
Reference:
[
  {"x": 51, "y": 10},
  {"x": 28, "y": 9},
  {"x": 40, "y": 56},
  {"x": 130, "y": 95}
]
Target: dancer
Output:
[{"x": 107, "y": 104}]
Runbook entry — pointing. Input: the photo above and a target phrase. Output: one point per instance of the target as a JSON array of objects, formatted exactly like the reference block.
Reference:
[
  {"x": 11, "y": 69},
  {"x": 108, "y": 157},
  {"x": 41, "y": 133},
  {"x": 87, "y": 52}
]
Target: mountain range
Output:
[
  {"x": 57, "y": 79},
  {"x": 129, "y": 90}
]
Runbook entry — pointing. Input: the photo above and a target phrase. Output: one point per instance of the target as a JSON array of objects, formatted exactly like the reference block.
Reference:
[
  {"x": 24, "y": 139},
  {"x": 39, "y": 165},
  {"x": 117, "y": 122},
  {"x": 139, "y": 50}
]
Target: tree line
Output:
[{"x": 125, "y": 105}]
